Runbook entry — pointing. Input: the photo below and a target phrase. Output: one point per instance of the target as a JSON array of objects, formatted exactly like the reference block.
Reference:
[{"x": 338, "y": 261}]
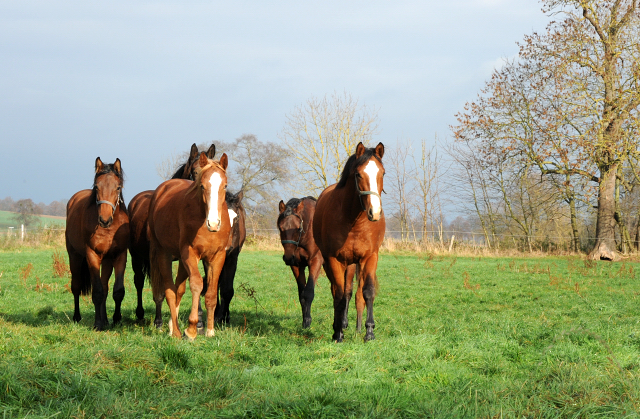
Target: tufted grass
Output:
[{"x": 455, "y": 337}]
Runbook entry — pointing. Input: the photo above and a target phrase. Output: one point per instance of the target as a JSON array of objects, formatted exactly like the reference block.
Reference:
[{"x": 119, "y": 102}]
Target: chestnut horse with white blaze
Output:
[
  {"x": 300, "y": 249},
  {"x": 139, "y": 241},
  {"x": 349, "y": 227},
  {"x": 189, "y": 221},
  {"x": 97, "y": 235}
]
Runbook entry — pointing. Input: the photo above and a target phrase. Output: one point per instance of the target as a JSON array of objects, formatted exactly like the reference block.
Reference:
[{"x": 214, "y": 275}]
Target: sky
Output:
[{"x": 142, "y": 80}]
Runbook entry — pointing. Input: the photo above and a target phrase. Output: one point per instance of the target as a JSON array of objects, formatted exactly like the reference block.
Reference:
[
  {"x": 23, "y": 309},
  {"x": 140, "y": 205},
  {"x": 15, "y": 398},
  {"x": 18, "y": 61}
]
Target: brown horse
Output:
[
  {"x": 349, "y": 228},
  {"x": 138, "y": 240},
  {"x": 97, "y": 235},
  {"x": 300, "y": 249},
  {"x": 189, "y": 221}
]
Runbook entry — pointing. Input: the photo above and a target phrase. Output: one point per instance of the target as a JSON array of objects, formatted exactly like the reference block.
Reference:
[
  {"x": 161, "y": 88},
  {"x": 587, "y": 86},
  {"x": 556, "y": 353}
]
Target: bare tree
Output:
[
  {"x": 400, "y": 181},
  {"x": 322, "y": 133},
  {"x": 27, "y": 212},
  {"x": 167, "y": 167}
]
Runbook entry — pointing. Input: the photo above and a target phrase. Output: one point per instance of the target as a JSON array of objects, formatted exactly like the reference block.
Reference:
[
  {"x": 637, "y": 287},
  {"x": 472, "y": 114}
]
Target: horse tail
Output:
[
  {"x": 85, "y": 278},
  {"x": 155, "y": 278},
  {"x": 146, "y": 267}
]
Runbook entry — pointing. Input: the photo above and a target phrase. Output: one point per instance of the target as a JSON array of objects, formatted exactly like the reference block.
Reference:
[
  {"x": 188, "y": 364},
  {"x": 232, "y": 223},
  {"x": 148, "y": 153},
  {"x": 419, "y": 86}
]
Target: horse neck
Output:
[{"x": 351, "y": 201}]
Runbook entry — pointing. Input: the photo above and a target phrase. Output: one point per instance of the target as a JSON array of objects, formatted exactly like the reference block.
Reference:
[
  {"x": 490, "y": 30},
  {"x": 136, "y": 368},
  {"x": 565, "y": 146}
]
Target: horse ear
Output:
[
  {"x": 359, "y": 149},
  {"x": 224, "y": 161},
  {"x": 212, "y": 151},
  {"x": 99, "y": 164},
  {"x": 117, "y": 166},
  {"x": 239, "y": 196},
  {"x": 380, "y": 150},
  {"x": 281, "y": 206},
  {"x": 194, "y": 152},
  {"x": 203, "y": 160}
]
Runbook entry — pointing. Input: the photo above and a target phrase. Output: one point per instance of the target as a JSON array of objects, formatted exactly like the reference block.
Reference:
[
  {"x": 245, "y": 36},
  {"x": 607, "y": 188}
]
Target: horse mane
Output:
[
  {"x": 292, "y": 204},
  {"x": 353, "y": 162},
  {"x": 179, "y": 172}
]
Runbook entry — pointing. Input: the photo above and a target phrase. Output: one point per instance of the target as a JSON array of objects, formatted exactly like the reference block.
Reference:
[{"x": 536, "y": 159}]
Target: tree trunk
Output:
[
  {"x": 574, "y": 224},
  {"x": 605, "y": 246}
]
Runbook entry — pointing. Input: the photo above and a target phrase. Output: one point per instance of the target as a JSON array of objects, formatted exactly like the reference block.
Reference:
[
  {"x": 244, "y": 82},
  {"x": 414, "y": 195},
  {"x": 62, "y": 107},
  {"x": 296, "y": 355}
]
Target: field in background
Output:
[
  {"x": 455, "y": 337},
  {"x": 7, "y": 219}
]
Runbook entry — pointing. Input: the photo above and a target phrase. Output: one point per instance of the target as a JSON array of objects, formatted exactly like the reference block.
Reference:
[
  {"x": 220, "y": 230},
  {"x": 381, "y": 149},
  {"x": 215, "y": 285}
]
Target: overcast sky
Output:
[{"x": 141, "y": 80}]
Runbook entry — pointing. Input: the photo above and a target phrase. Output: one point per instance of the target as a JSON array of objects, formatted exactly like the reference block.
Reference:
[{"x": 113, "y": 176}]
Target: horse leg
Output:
[
  {"x": 181, "y": 288},
  {"x": 170, "y": 291},
  {"x": 298, "y": 274},
  {"x": 368, "y": 276},
  {"x": 118, "y": 286},
  {"x": 105, "y": 274},
  {"x": 211, "y": 297},
  {"x": 315, "y": 264},
  {"x": 98, "y": 293},
  {"x": 138, "y": 280},
  {"x": 225, "y": 287},
  {"x": 359, "y": 306},
  {"x": 75, "y": 266},
  {"x": 348, "y": 280},
  {"x": 190, "y": 262},
  {"x": 335, "y": 272},
  {"x": 205, "y": 284}
]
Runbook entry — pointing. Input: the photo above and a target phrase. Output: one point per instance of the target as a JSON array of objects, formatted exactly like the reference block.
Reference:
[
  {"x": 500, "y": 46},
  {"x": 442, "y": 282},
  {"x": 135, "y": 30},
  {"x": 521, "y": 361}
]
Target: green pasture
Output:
[
  {"x": 7, "y": 219},
  {"x": 455, "y": 337}
]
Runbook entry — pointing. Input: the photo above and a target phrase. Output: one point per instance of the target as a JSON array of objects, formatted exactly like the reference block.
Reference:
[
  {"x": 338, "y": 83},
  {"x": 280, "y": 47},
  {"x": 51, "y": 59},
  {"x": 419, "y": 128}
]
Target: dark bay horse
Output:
[
  {"x": 138, "y": 240},
  {"x": 97, "y": 235},
  {"x": 349, "y": 228},
  {"x": 300, "y": 249},
  {"x": 189, "y": 221}
]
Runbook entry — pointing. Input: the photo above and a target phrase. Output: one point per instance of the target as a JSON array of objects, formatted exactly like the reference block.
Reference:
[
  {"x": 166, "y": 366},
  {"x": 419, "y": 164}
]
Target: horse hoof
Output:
[
  {"x": 306, "y": 323},
  {"x": 187, "y": 337},
  {"x": 369, "y": 336},
  {"x": 158, "y": 325},
  {"x": 77, "y": 318},
  {"x": 140, "y": 313},
  {"x": 210, "y": 333},
  {"x": 338, "y": 337},
  {"x": 117, "y": 319},
  {"x": 200, "y": 330}
]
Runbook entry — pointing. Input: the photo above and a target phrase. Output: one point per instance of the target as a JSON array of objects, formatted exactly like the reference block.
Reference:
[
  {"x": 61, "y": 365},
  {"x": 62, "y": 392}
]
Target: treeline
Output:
[{"x": 56, "y": 208}]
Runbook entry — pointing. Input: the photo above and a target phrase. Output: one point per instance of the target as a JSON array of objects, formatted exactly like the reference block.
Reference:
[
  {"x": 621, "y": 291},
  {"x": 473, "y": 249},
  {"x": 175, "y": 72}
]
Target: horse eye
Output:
[{"x": 202, "y": 187}]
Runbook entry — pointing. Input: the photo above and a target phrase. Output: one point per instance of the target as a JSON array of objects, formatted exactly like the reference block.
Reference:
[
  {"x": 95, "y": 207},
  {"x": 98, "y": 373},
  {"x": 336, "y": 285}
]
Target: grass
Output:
[{"x": 455, "y": 337}]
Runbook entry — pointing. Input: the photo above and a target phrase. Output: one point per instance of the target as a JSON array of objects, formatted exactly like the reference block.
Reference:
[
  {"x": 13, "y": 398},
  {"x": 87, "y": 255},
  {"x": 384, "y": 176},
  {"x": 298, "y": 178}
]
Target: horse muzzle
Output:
[
  {"x": 374, "y": 216},
  {"x": 290, "y": 260},
  {"x": 214, "y": 228},
  {"x": 105, "y": 224}
]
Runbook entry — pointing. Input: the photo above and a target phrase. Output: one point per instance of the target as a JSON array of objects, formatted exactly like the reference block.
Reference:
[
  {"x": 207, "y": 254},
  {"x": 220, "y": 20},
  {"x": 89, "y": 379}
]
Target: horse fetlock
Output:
[
  {"x": 117, "y": 318},
  {"x": 306, "y": 322},
  {"x": 338, "y": 337},
  {"x": 185, "y": 336},
  {"x": 140, "y": 312}
]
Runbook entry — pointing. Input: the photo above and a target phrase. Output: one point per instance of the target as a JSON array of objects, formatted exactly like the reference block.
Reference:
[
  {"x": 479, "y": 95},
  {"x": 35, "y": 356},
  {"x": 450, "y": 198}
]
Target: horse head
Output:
[
  {"x": 107, "y": 187},
  {"x": 211, "y": 179},
  {"x": 369, "y": 176},
  {"x": 291, "y": 229}
]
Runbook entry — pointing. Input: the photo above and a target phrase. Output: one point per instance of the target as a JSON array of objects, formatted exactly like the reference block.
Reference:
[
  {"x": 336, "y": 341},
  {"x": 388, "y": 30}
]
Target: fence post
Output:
[{"x": 22, "y": 233}]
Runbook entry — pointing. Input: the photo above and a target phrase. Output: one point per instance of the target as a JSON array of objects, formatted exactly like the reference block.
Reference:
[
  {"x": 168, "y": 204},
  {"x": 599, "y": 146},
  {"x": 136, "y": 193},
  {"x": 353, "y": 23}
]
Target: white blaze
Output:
[
  {"x": 232, "y": 216},
  {"x": 212, "y": 217},
  {"x": 372, "y": 171}
]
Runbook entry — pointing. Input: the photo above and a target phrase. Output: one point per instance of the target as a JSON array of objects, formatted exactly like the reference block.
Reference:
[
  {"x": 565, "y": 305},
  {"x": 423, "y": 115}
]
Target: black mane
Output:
[
  {"x": 292, "y": 204},
  {"x": 353, "y": 163}
]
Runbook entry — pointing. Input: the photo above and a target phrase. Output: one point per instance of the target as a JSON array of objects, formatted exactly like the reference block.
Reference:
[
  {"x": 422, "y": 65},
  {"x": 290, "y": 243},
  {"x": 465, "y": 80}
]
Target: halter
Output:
[
  {"x": 360, "y": 193},
  {"x": 108, "y": 202},
  {"x": 300, "y": 232}
]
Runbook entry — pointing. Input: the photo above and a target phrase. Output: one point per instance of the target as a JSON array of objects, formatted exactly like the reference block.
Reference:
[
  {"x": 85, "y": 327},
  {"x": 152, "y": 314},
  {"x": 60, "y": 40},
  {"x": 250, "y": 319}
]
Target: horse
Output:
[
  {"x": 300, "y": 249},
  {"x": 189, "y": 221},
  {"x": 138, "y": 240},
  {"x": 349, "y": 228},
  {"x": 97, "y": 235}
]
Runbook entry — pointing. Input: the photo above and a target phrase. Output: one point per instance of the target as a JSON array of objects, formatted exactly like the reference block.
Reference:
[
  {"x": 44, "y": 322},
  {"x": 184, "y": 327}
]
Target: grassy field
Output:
[
  {"x": 7, "y": 219},
  {"x": 455, "y": 337}
]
